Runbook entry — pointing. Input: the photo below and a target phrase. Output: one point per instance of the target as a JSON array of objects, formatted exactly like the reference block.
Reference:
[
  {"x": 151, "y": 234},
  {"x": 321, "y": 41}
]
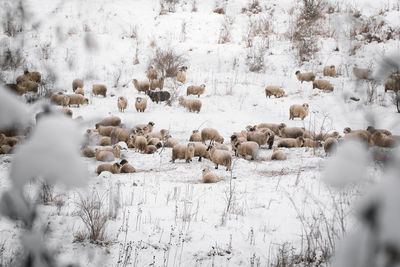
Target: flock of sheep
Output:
[{"x": 104, "y": 141}]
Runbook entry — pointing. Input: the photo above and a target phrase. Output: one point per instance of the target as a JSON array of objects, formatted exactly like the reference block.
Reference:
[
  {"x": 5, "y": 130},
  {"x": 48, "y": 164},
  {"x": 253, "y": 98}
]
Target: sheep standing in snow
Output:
[
  {"x": 195, "y": 137},
  {"x": 122, "y": 103},
  {"x": 60, "y": 99},
  {"x": 157, "y": 84},
  {"x": 141, "y": 86},
  {"x": 193, "y": 105},
  {"x": 170, "y": 142},
  {"x": 110, "y": 121},
  {"x": 77, "y": 83},
  {"x": 151, "y": 73},
  {"x": 211, "y": 134},
  {"x": 80, "y": 91},
  {"x": 272, "y": 126},
  {"x": 291, "y": 142},
  {"x": 323, "y": 85},
  {"x": 362, "y": 73},
  {"x": 298, "y": 111},
  {"x": 262, "y": 138},
  {"x": 75, "y": 99},
  {"x": 196, "y": 90},
  {"x": 248, "y": 148},
  {"x": 329, "y": 71},
  {"x": 141, "y": 104},
  {"x": 274, "y": 90},
  {"x": 181, "y": 75},
  {"x": 305, "y": 77},
  {"x": 185, "y": 152},
  {"x": 220, "y": 157},
  {"x": 209, "y": 177}
]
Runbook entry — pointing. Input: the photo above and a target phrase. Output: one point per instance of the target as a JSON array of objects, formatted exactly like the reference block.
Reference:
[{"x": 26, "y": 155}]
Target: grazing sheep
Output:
[
  {"x": 291, "y": 142},
  {"x": 80, "y": 91},
  {"x": 99, "y": 89},
  {"x": 170, "y": 142},
  {"x": 278, "y": 154},
  {"x": 209, "y": 177},
  {"x": 104, "y": 155},
  {"x": 323, "y": 137},
  {"x": 185, "y": 152},
  {"x": 372, "y": 130},
  {"x": 66, "y": 111},
  {"x": 308, "y": 142},
  {"x": 323, "y": 85},
  {"x": 362, "y": 73},
  {"x": 141, "y": 86},
  {"x": 193, "y": 105},
  {"x": 275, "y": 91},
  {"x": 195, "y": 137},
  {"x": 28, "y": 86},
  {"x": 60, "y": 99},
  {"x": 200, "y": 151},
  {"x": 290, "y": 132},
  {"x": 272, "y": 126},
  {"x": 157, "y": 84},
  {"x": 105, "y": 130},
  {"x": 305, "y": 77},
  {"x": 77, "y": 83},
  {"x": 113, "y": 168},
  {"x": 383, "y": 140},
  {"x": 220, "y": 157},
  {"x": 119, "y": 134},
  {"x": 262, "y": 138},
  {"x": 116, "y": 150},
  {"x": 126, "y": 167},
  {"x": 393, "y": 83},
  {"x": 249, "y": 148},
  {"x": 110, "y": 121},
  {"x": 362, "y": 134},
  {"x": 234, "y": 139},
  {"x": 196, "y": 90},
  {"x": 139, "y": 142},
  {"x": 181, "y": 75},
  {"x": 298, "y": 111},
  {"x": 122, "y": 103},
  {"x": 88, "y": 152},
  {"x": 159, "y": 96},
  {"x": 150, "y": 149},
  {"x": 78, "y": 100},
  {"x": 146, "y": 128},
  {"x": 211, "y": 134},
  {"x": 330, "y": 145},
  {"x": 104, "y": 141},
  {"x": 151, "y": 73},
  {"x": 141, "y": 104},
  {"x": 329, "y": 71}
]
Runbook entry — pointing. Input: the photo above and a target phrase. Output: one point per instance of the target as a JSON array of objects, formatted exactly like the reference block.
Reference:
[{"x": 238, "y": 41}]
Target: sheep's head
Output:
[
  {"x": 190, "y": 146},
  {"x": 203, "y": 86},
  {"x": 347, "y": 130},
  {"x": 333, "y": 67},
  {"x": 219, "y": 139},
  {"x": 151, "y": 123},
  {"x": 123, "y": 162},
  {"x": 281, "y": 126},
  {"x": 195, "y": 131},
  {"x": 301, "y": 139},
  {"x": 86, "y": 101},
  {"x": 305, "y": 106},
  {"x": 234, "y": 138},
  {"x": 371, "y": 129},
  {"x": 297, "y": 72},
  {"x": 210, "y": 147},
  {"x": 181, "y": 100}
]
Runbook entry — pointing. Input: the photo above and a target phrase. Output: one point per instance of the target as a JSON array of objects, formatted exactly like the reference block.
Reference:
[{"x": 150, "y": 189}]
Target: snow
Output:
[{"x": 165, "y": 210}]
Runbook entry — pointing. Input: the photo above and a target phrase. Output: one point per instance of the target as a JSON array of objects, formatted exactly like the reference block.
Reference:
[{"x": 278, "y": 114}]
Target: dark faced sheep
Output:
[{"x": 159, "y": 96}]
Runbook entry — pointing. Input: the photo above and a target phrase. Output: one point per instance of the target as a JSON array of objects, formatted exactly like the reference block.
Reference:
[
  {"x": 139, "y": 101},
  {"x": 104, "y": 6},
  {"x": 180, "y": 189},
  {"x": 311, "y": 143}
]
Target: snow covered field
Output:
[{"x": 163, "y": 215}]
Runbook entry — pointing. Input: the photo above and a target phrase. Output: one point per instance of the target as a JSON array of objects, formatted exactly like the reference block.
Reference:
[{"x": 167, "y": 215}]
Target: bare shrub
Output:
[
  {"x": 13, "y": 19},
  {"x": 11, "y": 59},
  {"x": 194, "y": 5},
  {"x": 396, "y": 100},
  {"x": 255, "y": 58},
  {"x": 371, "y": 93},
  {"x": 312, "y": 10},
  {"x": 46, "y": 193},
  {"x": 225, "y": 32},
  {"x": 183, "y": 31},
  {"x": 46, "y": 50},
  {"x": 94, "y": 217},
  {"x": 253, "y": 7},
  {"x": 167, "y": 61},
  {"x": 372, "y": 29},
  {"x": 258, "y": 27},
  {"x": 135, "y": 36},
  {"x": 168, "y": 6}
]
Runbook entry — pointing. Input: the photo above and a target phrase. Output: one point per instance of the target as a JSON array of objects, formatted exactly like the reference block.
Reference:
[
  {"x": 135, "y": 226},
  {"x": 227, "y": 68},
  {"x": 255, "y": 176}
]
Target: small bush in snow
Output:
[
  {"x": 255, "y": 59},
  {"x": 167, "y": 61},
  {"x": 225, "y": 32}
]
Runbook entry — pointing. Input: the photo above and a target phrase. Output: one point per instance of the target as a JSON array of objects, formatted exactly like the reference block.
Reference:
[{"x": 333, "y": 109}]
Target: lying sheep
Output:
[
  {"x": 104, "y": 141},
  {"x": 195, "y": 136},
  {"x": 360, "y": 73},
  {"x": 119, "y": 134},
  {"x": 360, "y": 136},
  {"x": 262, "y": 138},
  {"x": 290, "y": 132},
  {"x": 5, "y": 149},
  {"x": 220, "y": 157},
  {"x": 126, "y": 167},
  {"x": 60, "y": 99},
  {"x": 110, "y": 121},
  {"x": 115, "y": 149},
  {"x": 170, "y": 142},
  {"x": 28, "y": 86},
  {"x": 298, "y": 111},
  {"x": 160, "y": 135},
  {"x": 151, "y": 73},
  {"x": 80, "y": 91},
  {"x": 88, "y": 152},
  {"x": 185, "y": 152},
  {"x": 272, "y": 126},
  {"x": 200, "y": 151},
  {"x": 323, "y": 137},
  {"x": 393, "y": 83},
  {"x": 193, "y": 105},
  {"x": 308, "y": 142},
  {"x": 275, "y": 91},
  {"x": 122, "y": 103},
  {"x": 291, "y": 142},
  {"x": 155, "y": 142},
  {"x": 66, "y": 111},
  {"x": 211, "y": 134},
  {"x": 383, "y": 140},
  {"x": 157, "y": 84},
  {"x": 323, "y": 85},
  {"x": 329, "y": 71},
  {"x": 308, "y": 134},
  {"x": 330, "y": 146},
  {"x": 181, "y": 75},
  {"x": 372, "y": 130},
  {"x": 139, "y": 142},
  {"x": 113, "y": 168},
  {"x": 305, "y": 77},
  {"x": 77, "y": 83},
  {"x": 105, "y": 130},
  {"x": 141, "y": 86},
  {"x": 104, "y": 155},
  {"x": 363, "y": 134},
  {"x": 150, "y": 149},
  {"x": 99, "y": 89},
  {"x": 196, "y": 90},
  {"x": 278, "y": 155},
  {"x": 209, "y": 177},
  {"x": 5, "y": 140},
  {"x": 141, "y": 104},
  {"x": 249, "y": 148},
  {"x": 159, "y": 96},
  {"x": 78, "y": 100}
]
